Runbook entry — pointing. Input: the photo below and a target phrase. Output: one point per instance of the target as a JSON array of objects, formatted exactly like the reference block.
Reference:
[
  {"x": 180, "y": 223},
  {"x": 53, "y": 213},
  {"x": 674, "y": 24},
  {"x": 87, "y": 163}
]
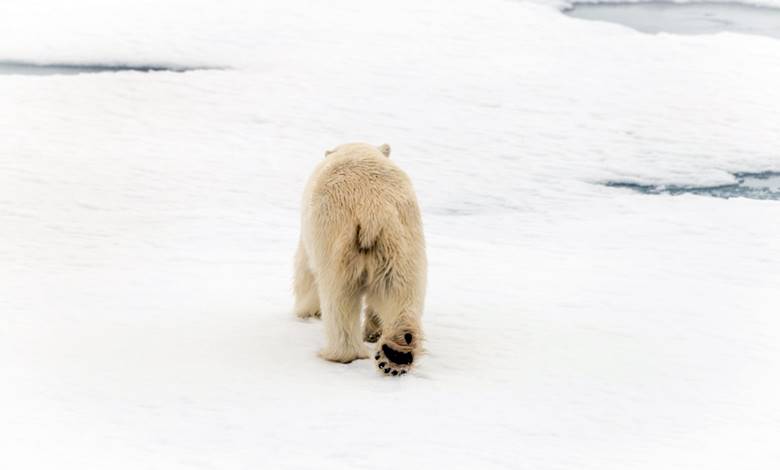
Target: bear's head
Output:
[{"x": 384, "y": 149}]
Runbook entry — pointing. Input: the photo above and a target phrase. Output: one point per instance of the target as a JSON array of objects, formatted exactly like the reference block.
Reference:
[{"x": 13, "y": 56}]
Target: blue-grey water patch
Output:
[
  {"x": 765, "y": 185},
  {"x": 29, "y": 68},
  {"x": 684, "y": 18}
]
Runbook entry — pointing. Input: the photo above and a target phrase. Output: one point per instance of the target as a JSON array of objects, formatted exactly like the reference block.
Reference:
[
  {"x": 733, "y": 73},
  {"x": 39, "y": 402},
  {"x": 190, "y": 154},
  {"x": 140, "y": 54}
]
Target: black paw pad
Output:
[
  {"x": 395, "y": 372},
  {"x": 408, "y": 338},
  {"x": 377, "y": 356},
  {"x": 397, "y": 356},
  {"x": 382, "y": 365},
  {"x": 387, "y": 370}
]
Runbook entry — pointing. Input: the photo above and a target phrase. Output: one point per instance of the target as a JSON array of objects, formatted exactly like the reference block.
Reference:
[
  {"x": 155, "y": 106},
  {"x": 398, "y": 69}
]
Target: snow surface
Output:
[
  {"x": 757, "y": 3},
  {"x": 148, "y": 223}
]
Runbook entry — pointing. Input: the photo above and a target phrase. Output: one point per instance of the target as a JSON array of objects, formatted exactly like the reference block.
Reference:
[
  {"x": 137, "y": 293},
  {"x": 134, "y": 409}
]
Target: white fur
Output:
[{"x": 361, "y": 237}]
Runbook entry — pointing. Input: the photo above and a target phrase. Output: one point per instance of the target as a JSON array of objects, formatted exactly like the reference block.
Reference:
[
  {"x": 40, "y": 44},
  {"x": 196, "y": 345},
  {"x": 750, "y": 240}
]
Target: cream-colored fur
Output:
[{"x": 362, "y": 238}]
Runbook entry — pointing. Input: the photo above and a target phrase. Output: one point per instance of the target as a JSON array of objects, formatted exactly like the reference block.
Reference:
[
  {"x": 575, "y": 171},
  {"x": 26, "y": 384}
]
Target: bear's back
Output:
[{"x": 362, "y": 178}]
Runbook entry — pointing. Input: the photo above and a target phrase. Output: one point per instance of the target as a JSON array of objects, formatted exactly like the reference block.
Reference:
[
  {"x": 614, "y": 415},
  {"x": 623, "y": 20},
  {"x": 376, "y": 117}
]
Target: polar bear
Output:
[{"x": 362, "y": 239}]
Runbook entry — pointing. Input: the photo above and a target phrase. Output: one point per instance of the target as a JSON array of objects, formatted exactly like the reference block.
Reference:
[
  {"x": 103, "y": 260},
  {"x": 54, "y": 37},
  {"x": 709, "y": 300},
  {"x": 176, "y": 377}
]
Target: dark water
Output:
[
  {"x": 684, "y": 18},
  {"x": 764, "y": 185},
  {"x": 23, "y": 68}
]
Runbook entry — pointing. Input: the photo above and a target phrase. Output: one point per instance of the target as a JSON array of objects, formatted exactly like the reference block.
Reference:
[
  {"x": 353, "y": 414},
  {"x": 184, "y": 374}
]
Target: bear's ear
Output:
[
  {"x": 385, "y": 149},
  {"x": 328, "y": 152}
]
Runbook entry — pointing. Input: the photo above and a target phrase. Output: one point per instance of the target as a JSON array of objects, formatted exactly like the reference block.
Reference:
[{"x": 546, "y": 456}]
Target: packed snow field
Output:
[{"x": 148, "y": 223}]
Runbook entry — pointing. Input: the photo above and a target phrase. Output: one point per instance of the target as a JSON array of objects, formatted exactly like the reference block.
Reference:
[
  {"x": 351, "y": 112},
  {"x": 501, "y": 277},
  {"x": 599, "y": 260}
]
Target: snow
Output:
[
  {"x": 148, "y": 223},
  {"x": 756, "y": 3}
]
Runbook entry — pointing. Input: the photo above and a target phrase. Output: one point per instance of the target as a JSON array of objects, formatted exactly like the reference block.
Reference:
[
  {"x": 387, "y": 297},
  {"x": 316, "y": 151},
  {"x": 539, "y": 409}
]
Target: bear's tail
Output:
[
  {"x": 371, "y": 221},
  {"x": 366, "y": 237}
]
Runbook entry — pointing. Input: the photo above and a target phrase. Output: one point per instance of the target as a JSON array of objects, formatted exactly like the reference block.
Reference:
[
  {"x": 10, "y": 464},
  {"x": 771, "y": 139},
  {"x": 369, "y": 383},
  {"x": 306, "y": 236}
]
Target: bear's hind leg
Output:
[
  {"x": 341, "y": 314},
  {"x": 401, "y": 340}
]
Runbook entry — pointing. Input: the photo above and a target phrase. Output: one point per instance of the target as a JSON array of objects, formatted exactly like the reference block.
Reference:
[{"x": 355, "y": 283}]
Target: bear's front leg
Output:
[
  {"x": 307, "y": 301},
  {"x": 372, "y": 327},
  {"x": 341, "y": 315}
]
